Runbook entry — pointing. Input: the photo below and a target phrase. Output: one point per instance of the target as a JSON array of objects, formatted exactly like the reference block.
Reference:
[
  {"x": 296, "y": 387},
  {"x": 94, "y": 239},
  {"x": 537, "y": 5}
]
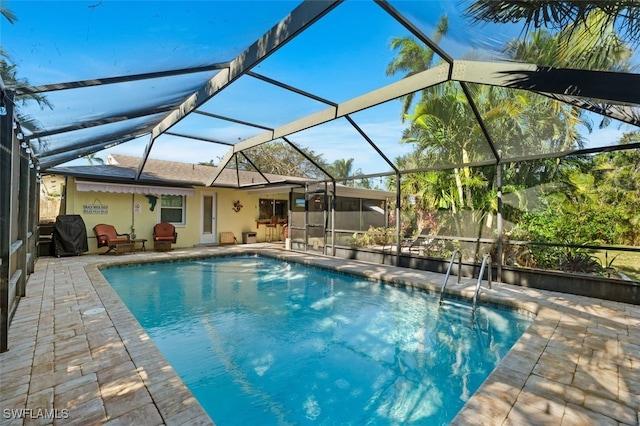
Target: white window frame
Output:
[{"x": 183, "y": 208}]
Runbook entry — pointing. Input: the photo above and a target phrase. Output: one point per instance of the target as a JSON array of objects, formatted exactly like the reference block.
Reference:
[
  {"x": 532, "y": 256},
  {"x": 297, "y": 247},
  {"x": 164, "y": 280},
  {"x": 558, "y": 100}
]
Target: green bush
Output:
[
  {"x": 578, "y": 225},
  {"x": 375, "y": 236}
]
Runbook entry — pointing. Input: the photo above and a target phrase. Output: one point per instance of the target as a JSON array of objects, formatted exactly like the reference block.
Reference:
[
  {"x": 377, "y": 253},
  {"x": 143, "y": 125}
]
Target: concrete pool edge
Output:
[{"x": 174, "y": 400}]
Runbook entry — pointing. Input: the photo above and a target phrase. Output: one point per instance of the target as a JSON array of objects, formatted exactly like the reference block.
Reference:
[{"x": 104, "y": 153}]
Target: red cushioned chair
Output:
[
  {"x": 107, "y": 236},
  {"x": 164, "y": 234}
]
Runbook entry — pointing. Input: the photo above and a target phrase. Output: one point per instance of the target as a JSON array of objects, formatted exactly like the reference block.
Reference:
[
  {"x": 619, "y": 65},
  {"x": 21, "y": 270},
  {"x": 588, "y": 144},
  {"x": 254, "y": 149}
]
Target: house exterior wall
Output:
[{"x": 117, "y": 209}]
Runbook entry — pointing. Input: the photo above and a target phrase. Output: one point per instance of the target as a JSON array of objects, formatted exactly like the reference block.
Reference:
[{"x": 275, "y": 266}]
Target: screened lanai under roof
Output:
[{"x": 226, "y": 80}]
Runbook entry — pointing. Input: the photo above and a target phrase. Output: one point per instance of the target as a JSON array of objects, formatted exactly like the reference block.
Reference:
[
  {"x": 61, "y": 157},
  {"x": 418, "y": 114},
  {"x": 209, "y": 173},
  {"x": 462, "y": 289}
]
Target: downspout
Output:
[
  {"x": 133, "y": 217},
  {"x": 499, "y": 221},
  {"x": 306, "y": 217},
  {"x": 398, "y": 224},
  {"x": 325, "y": 219},
  {"x": 333, "y": 220}
]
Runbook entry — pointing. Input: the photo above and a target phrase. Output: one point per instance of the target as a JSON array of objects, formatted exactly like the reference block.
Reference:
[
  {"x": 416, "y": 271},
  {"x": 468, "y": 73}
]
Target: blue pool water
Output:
[{"x": 260, "y": 341}]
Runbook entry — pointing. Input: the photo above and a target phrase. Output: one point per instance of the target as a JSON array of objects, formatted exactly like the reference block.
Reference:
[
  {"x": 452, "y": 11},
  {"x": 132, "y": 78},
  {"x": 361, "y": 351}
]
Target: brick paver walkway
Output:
[{"x": 77, "y": 356}]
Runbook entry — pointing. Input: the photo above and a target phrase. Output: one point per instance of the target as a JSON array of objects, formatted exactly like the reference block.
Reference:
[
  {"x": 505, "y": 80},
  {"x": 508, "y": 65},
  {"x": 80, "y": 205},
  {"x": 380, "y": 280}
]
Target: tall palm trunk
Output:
[
  {"x": 467, "y": 175},
  {"x": 456, "y": 174}
]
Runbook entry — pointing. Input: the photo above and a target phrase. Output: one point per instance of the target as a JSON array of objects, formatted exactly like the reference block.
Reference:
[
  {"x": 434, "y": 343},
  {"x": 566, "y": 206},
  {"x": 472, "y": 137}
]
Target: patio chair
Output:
[
  {"x": 164, "y": 234},
  {"x": 412, "y": 243},
  {"x": 107, "y": 236}
]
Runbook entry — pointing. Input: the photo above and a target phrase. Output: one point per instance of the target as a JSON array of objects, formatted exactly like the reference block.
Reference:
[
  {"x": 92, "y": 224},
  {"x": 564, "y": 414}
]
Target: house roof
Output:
[{"x": 123, "y": 168}]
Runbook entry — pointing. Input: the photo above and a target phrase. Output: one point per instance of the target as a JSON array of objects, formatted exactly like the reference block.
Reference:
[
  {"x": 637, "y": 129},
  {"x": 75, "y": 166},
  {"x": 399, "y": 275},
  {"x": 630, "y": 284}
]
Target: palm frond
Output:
[
  {"x": 553, "y": 14},
  {"x": 9, "y": 15}
]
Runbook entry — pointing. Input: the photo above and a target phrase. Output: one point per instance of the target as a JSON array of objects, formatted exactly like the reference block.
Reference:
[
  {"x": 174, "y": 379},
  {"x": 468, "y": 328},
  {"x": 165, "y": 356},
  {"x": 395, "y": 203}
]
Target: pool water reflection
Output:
[{"x": 261, "y": 341}]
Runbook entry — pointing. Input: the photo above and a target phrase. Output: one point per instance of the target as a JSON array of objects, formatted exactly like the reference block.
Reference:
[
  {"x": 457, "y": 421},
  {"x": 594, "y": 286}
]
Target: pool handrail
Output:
[
  {"x": 477, "y": 290},
  {"x": 446, "y": 277}
]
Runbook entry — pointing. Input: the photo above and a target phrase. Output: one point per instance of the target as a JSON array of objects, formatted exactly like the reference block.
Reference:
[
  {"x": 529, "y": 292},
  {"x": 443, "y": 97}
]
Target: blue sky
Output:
[{"x": 340, "y": 57}]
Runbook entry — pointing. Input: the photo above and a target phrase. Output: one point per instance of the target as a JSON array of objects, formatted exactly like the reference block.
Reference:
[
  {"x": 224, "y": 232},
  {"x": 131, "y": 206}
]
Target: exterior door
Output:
[
  {"x": 208, "y": 231},
  {"x": 316, "y": 221}
]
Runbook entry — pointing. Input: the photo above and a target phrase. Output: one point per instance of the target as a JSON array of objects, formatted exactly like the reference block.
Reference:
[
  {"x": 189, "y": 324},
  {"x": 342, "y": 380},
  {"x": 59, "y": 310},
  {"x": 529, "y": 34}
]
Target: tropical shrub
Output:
[{"x": 375, "y": 236}]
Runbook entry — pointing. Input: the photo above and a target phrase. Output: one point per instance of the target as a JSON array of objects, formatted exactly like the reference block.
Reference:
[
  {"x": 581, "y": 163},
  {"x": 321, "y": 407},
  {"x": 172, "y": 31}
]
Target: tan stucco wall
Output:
[
  {"x": 121, "y": 214},
  {"x": 246, "y": 219}
]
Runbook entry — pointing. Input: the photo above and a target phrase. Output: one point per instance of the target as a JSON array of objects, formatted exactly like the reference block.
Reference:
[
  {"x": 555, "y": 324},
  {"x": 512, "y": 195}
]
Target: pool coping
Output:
[{"x": 577, "y": 363}]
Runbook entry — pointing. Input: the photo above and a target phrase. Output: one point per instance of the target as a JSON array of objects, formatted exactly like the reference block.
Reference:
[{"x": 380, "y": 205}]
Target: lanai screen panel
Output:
[
  {"x": 524, "y": 124},
  {"x": 387, "y": 133},
  {"x": 475, "y": 32},
  {"x": 341, "y": 56},
  {"x": 88, "y": 44},
  {"x": 444, "y": 131},
  {"x": 461, "y": 38},
  {"x": 338, "y": 140},
  {"x": 606, "y": 132},
  {"x": 255, "y": 101},
  {"x": 279, "y": 160},
  {"x": 98, "y": 136},
  {"x": 91, "y": 105},
  {"x": 187, "y": 150},
  {"x": 240, "y": 172},
  {"x": 199, "y": 126},
  {"x": 247, "y": 175},
  {"x": 533, "y": 186},
  {"x": 71, "y": 41},
  {"x": 134, "y": 148}
]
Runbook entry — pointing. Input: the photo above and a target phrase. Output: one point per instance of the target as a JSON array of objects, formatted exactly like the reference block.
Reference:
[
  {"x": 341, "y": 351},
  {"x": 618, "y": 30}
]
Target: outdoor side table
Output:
[{"x": 141, "y": 241}]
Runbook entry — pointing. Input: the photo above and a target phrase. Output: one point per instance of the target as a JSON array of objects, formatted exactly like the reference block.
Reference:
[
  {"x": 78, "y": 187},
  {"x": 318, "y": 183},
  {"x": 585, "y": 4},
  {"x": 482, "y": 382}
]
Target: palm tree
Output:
[
  {"x": 92, "y": 157},
  {"x": 8, "y": 72},
  {"x": 618, "y": 184},
  {"x": 445, "y": 131},
  {"x": 560, "y": 15},
  {"x": 413, "y": 57},
  {"x": 589, "y": 51},
  {"x": 342, "y": 169},
  {"x": 594, "y": 44},
  {"x": 9, "y": 15}
]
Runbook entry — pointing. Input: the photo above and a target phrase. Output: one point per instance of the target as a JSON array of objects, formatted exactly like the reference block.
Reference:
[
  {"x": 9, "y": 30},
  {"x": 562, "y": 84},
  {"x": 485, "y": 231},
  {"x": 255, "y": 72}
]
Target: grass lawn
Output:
[{"x": 626, "y": 262}]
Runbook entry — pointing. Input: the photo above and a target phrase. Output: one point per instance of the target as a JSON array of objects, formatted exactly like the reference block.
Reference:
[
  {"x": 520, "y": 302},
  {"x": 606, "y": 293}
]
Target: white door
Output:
[{"x": 208, "y": 233}]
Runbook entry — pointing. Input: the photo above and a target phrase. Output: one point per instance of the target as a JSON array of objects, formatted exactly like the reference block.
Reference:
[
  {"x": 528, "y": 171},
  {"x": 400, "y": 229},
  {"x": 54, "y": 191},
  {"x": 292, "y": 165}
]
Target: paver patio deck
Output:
[{"x": 77, "y": 355}]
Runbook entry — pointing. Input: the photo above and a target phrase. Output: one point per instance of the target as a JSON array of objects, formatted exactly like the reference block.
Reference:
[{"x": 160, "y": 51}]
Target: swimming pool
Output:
[{"x": 260, "y": 341}]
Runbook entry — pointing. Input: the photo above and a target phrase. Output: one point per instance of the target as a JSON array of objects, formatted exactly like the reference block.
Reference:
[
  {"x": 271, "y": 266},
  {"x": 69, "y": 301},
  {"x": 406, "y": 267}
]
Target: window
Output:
[
  {"x": 298, "y": 203},
  {"x": 269, "y": 207},
  {"x": 172, "y": 209}
]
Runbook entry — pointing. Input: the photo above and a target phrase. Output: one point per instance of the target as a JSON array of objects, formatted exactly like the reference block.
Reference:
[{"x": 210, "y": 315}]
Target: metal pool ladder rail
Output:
[
  {"x": 446, "y": 277},
  {"x": 485, "y": 260}
]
